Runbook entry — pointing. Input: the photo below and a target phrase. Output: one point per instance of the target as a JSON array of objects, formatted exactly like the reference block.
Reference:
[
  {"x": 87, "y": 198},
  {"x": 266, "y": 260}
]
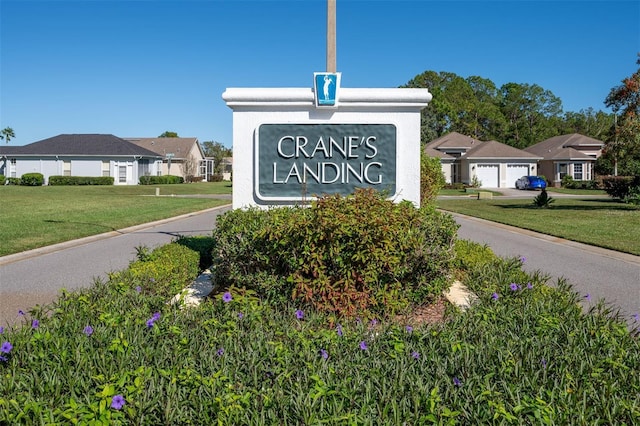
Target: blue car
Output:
[{"x": 531, "y": 182}]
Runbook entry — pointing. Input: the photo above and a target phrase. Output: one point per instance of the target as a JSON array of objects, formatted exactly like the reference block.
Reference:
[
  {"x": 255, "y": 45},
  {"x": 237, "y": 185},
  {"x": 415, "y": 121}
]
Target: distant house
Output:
[
  {"x": 81, "y": 155},
  {"x": 180, "y": 156},
  {"x": 567, "y": 155},
  {"x": 493, "y": 164}
]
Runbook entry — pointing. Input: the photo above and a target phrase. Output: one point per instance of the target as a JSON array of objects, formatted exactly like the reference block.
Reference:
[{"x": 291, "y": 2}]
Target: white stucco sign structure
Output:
[{"x": 288, "y": 149}]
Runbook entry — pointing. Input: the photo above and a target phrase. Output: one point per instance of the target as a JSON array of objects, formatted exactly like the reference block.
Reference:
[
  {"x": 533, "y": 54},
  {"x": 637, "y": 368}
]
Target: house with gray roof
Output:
[
  {"x": 81, "y": 155},
  {"x": 180, "y": 156},
  {"x": 493, "y": 164},
  {"x": 567, "y": 155}
]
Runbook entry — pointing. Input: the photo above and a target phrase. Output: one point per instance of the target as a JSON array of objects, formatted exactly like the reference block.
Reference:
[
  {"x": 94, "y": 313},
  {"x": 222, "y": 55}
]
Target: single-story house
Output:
[
  {"x": 81, "y": 155},
  {"x": 493, "y": 164},
  {"x": 180, "y": 156},
  {"x": 573, "y": 155}
]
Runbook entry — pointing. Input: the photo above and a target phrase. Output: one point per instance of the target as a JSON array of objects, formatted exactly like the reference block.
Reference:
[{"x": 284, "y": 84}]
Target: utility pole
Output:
[{"x": 331, "y": 36}]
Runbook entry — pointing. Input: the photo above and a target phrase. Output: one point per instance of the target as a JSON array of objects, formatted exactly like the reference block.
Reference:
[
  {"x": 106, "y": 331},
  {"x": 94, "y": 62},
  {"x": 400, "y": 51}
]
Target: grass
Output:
[
  {"x": 34, "y": 217},
  {"x": 596, "y": 221},
  {"x": 118, "y": 354}
]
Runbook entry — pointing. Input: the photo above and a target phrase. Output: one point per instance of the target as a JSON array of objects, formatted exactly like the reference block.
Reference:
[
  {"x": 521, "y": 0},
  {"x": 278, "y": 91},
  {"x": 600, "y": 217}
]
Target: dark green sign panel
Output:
[{"x": 295, "y": 161}]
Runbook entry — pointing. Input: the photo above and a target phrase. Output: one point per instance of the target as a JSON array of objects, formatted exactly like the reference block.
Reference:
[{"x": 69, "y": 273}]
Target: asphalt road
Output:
[
  {"x": 599, "y": 273},
  {"x": 36, "y": 277}
]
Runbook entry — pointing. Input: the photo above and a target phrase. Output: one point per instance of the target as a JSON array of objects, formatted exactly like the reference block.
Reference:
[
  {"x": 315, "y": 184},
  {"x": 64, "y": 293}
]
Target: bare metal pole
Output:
[{"x": 331, "y": 36}]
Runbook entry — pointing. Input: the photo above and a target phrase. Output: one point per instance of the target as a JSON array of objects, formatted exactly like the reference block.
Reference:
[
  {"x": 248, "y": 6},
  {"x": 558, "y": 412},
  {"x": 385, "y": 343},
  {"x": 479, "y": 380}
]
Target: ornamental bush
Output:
[
  {"x": 32, "y": 179},
  {"x": 2, "y": 179},
  {"x": 620, "y": 186},
  {"x": 81, "y": 180},
  {"x": 356, "y": 255},
  {"x": 160, "y": 180}
]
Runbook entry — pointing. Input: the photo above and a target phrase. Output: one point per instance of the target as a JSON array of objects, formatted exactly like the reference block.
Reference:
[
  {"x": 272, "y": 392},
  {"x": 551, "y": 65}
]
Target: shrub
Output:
[
  {"x": 166, "y": 270},
  {"x": 2, "y": 179},
  {"x": 355, "y": 255},
  {"x": 620, "y": 186},
  {"x": 217, "y": 177},
  {"x": 543, "y": 199},
  {"x": 32, "y": 179},
  {"x": 431, "y": 179},
  {"x": 13, "y": 181},
  {"x": 81, "y": 180},
  {"x": 202, "y": 245},
  {"x": 160, "y": 180}
]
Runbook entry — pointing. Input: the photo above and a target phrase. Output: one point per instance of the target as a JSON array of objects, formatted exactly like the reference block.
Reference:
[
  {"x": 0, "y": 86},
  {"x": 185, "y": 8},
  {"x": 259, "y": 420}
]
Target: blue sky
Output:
[{"x": 139, "y": 68}]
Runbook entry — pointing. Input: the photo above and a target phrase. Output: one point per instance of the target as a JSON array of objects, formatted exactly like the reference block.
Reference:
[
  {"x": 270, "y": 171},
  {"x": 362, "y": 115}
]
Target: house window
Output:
[
  {"x": 577, "y": 171},
  {"x": 66, "y": 168},
  {"x": 122, "y": 174},
  {"x": 12, "y": 168},
  {"x": 105, "y": 168},
  {"x": 562, "y": 170}
]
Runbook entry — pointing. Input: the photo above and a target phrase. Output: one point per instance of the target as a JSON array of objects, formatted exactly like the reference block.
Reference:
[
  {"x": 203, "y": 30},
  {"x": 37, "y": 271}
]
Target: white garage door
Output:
[
  {"x": 515, "y": 172},
  {"x": 488, "y": 175}
]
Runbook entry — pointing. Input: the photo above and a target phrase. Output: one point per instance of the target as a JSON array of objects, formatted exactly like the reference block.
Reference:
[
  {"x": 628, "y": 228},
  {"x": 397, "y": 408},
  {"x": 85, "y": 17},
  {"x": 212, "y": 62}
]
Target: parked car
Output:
[{"x": 531, "y": 182}]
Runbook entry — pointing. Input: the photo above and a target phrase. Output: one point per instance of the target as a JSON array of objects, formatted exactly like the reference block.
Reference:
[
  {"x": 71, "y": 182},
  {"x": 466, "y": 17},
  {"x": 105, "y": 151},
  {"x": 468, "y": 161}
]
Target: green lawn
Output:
[
  {"x": 597, "y": 221},
  {"x": 34, "y": 217}
]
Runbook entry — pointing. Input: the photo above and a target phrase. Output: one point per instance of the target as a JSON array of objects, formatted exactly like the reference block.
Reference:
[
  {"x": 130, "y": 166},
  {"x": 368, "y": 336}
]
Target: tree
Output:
[
  {"x": 189, "y": 168},
  {"x": 168, "y": 134},
  {"x": 7, "y": 134},
  {"x": 624, "y": 101},
  {"x": 217, "y": 151}
]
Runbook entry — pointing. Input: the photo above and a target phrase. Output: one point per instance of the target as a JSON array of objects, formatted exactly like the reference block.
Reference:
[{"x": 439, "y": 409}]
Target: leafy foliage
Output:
[
  {"x": 543, "y": 199},
  {"x": 620, "y": 186},
  {"x": 159, "y": 180},
  {"x": 431, "y": 179},
  {"x": 81, "y": 180},
  {"x": 356, "y": 255},
  {"x": 32, "y": 179},
  {"x": 114, "y": 354}
]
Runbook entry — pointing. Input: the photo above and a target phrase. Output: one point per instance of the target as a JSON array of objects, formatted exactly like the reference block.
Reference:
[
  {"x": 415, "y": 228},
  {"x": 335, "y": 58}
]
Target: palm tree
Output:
[{"x": 7, "y": 134}]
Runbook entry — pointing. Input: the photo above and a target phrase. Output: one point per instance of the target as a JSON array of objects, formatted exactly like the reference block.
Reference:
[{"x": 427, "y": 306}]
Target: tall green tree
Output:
[
  {"x": 624, "y": 101},
  {"x": 529, "y": 111},
  {"x": 217, "y": 151},
  {"x": 168, "y": 134},
  {"x": 7, "y": 134}
]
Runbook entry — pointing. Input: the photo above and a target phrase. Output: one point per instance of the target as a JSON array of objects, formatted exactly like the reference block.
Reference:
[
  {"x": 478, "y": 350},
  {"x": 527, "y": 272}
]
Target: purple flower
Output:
[
  {"x": 220, "y": 352},
  {"x": 299, "y": 314},
  {"x": 636, "y": 317},
  {"x": 150, "y": 323},
  {"x": 495, "y": 296},
  {"x": 588, "y": 297},
  {"x": 363, "y": 345},
  {"x": 21, "y": 312},
  {"x": 240, "y": 315},
  {"x": 88, "y": 330},
  {"x": 35, "y": 324},
  {"x": 226, "y": 297},
  {"x": 339, "y": 330},
  {"x": 138, "y": 289},
  {"x": 513, "y": 286},
  {"x": 374, "y": 322},
  {"x": 155, "y": 316},
  {"x": 3, "y": 358},
  {"x": 1, "y": 329},
  {"x": 415, "y": 355},
  {"x": 544, "y": 363},
  {"x": 324, "y": 354},
  {"x": 6, "y": 347},
  {"x": 457, "y": 381},
  {"x": 529, "y": 286},
  {"x": 409, "y": 329},
  {"x": 523, "y": 259},
  {"x": 117, "y": 402}
]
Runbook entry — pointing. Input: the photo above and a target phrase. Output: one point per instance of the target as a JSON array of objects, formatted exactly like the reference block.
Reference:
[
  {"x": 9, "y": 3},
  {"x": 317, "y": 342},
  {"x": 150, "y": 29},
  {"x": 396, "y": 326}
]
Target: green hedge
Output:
[
  {"x": 2, "y": 179},
  {"x": 620, "y": 186},
  {"x": 165, "y": 271},
  {"x": 159, "y": 180},
  {"x": 357, "y": 255},
  {"x": 32, "y": 179},
  {"x": 81, "y": 180}
]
